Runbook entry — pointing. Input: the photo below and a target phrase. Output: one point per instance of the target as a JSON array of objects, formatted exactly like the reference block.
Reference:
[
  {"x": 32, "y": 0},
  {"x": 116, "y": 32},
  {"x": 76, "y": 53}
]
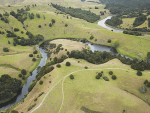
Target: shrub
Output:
[
  {"x": 35, "y": 52},
  {"x": 139, "y": 73},
  {"x": 5, "y": 49},
  {"x": 110, "y": 72},
  {"x": 109, "y": 41},
  {"x": 68, "y": 63},
  {"x": 58, "y": 65},
  {"x": 49, "y": 81},
  {"x": 41, "y": 82},
  {"x": 114, "y": 77},
  {"x": 97, "y": 77},
  {"x": 91, "y": 37},
  {"x": 106, "y": 78},
  {"x": 23, "y": 71},
  {"x": 20, "y": 75},
  {"x": 142, "y": 89},
  {"x": 30, "y": 55},
  {"x": 22, "y": 32},
  {"x": 71, "y": 76},
  {"x": 34, "y": 59},
  {"x": 39, "y": 26}
]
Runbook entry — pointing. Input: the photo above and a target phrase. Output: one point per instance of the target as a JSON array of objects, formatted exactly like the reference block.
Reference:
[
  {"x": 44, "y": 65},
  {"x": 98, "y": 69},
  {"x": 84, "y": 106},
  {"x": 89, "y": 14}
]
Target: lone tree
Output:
[
  {"x": 5, "y": 49},
  {"x": 71, "y": 76},
  {"x": 23, "y": 71},
  {"x": 68, "y": 63},
  {"x": 114, "y": 77}
]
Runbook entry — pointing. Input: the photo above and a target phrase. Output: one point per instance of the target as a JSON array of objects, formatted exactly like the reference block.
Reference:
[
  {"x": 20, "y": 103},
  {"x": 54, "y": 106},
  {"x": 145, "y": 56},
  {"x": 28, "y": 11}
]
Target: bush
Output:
[
  {"x": 97, "y": 77},
  {"x": 34, "y": 59},
  {"x": 139, "y": 73},
  {"x": 20, "y": 75},
  {"x": 41, "y": 82},
  {"x": 58, "y": 65},
  {"x": 39, "y": 26},
  {"x": 91, "y": 37},
  {"x": 114, "y": 77},
  {"x": 109, "y": 41},
  {"x": 68, "y": 63},
  {"x": 110, "y": 72},
  {"x": 23, "y": 71},
  {"x": 106, "y": 78},
  {"x": 5, "y": 49},
  {"x": 30, "y": 55},
  {"x": 71, "y": 76},
  {"x": 35, "y": 52}
]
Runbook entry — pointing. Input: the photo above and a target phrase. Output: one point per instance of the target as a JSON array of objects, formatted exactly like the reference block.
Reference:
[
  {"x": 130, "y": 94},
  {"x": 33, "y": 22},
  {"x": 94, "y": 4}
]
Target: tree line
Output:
[{"x": 78, "y": 13}]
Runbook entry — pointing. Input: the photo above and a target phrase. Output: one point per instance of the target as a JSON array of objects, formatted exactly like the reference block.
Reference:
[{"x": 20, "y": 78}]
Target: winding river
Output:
[{"x": 24, "y": 90}]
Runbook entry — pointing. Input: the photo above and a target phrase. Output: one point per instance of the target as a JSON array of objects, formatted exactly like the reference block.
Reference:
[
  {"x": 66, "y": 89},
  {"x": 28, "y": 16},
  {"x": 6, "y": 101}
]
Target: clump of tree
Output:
[
  {"x": 78, "y": 13},
  {"x": 99, "y": 75},
  {"x": 9, "y": 87},
  {"x": 31, "y": 15},
  {"x": 21, "y": 14},
  {"x": 10, "y": 34},
  {"x": 139, "y": 20}
]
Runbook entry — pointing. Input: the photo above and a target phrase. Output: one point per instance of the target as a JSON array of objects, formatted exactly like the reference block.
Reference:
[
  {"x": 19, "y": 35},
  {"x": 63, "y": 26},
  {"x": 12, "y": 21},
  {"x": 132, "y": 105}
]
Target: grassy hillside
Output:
[{"x": 86, "y": 92}]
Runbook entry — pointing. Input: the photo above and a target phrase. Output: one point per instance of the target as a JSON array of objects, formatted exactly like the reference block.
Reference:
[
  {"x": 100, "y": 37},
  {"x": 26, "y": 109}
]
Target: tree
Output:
[
  {"x": 66, "y": 25},
  {"x": 20, "y": 75},
  {"x": 145, "y": 82},
  {"x": 110, "y": 72},
  {"x": 91, "y": 37},
  {"x": 35, "y": 52},
  {"x": 109, "y": 41},
  {"x": 97, "y": 77},
  {"x": 50, "y": 25},
  {"x": 139, "y": 73},
  {"x": 58, "y": 65},
  {"x": 71, "y": 76},
  {"x": 23, "y": 71},
  {"x": 68, "y": 63}
]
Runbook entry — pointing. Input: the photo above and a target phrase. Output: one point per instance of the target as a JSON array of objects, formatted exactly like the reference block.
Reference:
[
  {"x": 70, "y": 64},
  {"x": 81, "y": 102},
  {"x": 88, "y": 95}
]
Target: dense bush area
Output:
[
  {"x": 132, "y": 33},
  {"x": 78, "y": 13},
  {"x": 8, "y": 86},
  {"x": 139, "y": 20},
  {"x": 114, "y": 21}
]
